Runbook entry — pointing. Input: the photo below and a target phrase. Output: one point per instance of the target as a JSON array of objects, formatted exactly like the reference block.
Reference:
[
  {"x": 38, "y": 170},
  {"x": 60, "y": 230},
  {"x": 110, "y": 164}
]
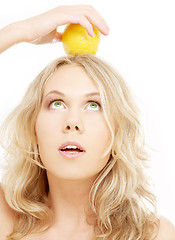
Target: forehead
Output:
[{"x": 71, "y": 79}]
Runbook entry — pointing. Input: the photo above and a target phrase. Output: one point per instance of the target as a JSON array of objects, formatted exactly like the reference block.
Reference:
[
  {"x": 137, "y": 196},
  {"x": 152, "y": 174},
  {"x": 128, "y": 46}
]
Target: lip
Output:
[
  {"x": 71, "y": 154},
  {"x": 72, "y": 143}
]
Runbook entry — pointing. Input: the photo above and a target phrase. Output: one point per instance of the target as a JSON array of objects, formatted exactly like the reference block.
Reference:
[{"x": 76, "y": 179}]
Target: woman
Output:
[{"x": 75, "y": 147}]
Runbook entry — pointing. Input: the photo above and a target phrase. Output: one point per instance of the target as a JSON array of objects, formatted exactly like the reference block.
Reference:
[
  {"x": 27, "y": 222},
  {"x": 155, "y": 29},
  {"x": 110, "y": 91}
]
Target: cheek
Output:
[
  {"x": 45, "y": 127},
  {"x": 99, "y": 136},
  {"x": 101, "y": 129},
  {"x": 49, "y": 126}
]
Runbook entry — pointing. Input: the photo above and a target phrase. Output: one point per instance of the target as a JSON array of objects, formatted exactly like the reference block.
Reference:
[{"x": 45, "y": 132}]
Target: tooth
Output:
[{"x": 70, "y": 146}]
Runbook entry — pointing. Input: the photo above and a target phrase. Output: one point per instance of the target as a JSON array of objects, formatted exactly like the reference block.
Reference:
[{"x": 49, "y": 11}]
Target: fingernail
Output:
[{"x": 107, "y": 30}]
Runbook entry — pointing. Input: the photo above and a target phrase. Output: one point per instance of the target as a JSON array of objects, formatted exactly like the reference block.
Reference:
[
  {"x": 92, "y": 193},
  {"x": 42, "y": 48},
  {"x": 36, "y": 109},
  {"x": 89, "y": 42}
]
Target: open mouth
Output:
[
  {"x": 72, "y": 150},
  {"x": 71, "y": 153}
]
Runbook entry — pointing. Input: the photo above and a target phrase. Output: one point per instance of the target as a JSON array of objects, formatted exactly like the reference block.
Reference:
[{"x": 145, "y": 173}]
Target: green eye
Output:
[
  {"x": 57, "y": 104},
  {"x": 93, "y": 105}
]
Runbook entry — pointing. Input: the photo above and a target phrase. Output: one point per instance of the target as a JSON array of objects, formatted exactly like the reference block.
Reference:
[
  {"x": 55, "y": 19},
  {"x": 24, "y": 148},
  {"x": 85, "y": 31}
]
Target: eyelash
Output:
[{"x": 59, "y": 100}]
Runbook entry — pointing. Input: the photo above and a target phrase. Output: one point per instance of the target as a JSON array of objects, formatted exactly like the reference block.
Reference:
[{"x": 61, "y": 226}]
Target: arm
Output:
[
  {"x": 9, "y": 36},
  {"x": 43, "y": 28}
]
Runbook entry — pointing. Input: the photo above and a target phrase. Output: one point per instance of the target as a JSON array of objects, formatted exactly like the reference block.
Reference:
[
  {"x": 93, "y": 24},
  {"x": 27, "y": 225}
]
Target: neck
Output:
[{"x": 69, "y": 200}]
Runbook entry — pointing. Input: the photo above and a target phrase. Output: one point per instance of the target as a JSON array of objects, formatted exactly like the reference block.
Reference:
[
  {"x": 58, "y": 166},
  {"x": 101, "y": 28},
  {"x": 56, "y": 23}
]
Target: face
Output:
[{"x": 71, "y": 116}]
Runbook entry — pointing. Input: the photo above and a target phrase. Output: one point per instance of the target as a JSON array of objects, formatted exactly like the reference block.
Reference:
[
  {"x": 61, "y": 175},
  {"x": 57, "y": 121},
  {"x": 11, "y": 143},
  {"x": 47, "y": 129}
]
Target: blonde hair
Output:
[{"x": 118, "y": 196}]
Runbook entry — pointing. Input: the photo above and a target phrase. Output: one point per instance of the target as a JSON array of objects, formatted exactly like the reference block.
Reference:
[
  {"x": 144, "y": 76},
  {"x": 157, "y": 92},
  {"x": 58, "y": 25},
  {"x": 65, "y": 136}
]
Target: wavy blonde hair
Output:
[{"x": 119, "y": 195}]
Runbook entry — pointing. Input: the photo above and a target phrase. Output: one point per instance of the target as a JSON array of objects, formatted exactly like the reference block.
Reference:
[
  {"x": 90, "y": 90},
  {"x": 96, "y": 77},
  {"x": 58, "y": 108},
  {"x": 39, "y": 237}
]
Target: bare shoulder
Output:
[
  {"x": 166, "y": 230},
  {"x": 4, "y": 208},
  {"x": 6, "y": 216}
]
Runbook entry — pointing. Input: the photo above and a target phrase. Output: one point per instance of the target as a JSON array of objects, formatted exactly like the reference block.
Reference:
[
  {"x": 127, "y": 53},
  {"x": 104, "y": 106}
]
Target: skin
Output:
[
  {"x": 76, "y": 118},
  {"x": 42, "y": 29},
  {"x": 38, "y": 30},
  {"x": 79, "y": 119}
]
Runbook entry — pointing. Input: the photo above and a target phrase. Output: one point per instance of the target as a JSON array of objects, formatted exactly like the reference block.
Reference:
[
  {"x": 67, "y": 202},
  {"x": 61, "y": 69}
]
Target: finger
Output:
[
  {"x": 59, "y": 36},
  {"x": 97, "y": 20},
  {"x": 86, "y": 24},
  {"x": 52, "y": 37},
  {"x": 100, "y": 24},
  {"x": 83, "y": 21}
]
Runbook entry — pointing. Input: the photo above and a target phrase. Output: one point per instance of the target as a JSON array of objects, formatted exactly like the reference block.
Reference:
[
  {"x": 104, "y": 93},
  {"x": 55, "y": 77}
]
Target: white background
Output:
[{"x": 141, "y": 46}]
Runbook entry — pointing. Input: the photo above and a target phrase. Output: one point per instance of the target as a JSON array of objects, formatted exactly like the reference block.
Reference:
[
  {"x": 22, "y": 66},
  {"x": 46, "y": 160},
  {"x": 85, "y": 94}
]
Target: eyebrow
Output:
[{"x": 63, "y": 95}]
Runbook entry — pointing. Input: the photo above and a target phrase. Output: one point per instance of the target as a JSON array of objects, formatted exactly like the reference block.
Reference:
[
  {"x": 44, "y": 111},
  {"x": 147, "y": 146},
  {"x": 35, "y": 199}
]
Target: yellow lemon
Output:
[{"x": 76, "y": 40}]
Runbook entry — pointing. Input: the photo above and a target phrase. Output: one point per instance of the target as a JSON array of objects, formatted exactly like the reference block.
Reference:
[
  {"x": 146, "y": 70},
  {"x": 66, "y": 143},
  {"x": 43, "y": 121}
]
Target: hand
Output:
[{"x": 43, "y": 28}]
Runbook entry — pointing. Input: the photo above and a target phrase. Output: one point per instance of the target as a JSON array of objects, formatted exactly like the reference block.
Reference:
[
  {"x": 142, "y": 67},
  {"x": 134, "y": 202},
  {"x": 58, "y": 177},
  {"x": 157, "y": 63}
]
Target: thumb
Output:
[
  {"x": 51, "y": 37},
  {"x": 59, "y": 36}
]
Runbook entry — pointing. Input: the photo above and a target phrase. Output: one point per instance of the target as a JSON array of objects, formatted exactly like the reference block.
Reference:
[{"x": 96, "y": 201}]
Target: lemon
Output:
[{"x": 76, "y": 40}]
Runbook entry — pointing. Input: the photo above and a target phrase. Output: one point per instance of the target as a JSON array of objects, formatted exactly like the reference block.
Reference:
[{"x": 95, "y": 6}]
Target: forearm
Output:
[
  {"x": 10, "y": 35},
  {"x": 43, "y": 28}
]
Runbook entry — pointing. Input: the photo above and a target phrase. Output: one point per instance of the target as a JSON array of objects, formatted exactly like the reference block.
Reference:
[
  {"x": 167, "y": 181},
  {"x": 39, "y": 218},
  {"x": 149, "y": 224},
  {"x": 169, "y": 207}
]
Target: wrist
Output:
[
  {"x": 16, "y": 32},
  {"x": 9, "y": 36}
]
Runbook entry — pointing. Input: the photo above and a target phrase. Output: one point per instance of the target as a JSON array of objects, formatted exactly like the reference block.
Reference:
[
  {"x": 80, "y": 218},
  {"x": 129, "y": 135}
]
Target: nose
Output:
[{"x": 73, "y": 123}]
